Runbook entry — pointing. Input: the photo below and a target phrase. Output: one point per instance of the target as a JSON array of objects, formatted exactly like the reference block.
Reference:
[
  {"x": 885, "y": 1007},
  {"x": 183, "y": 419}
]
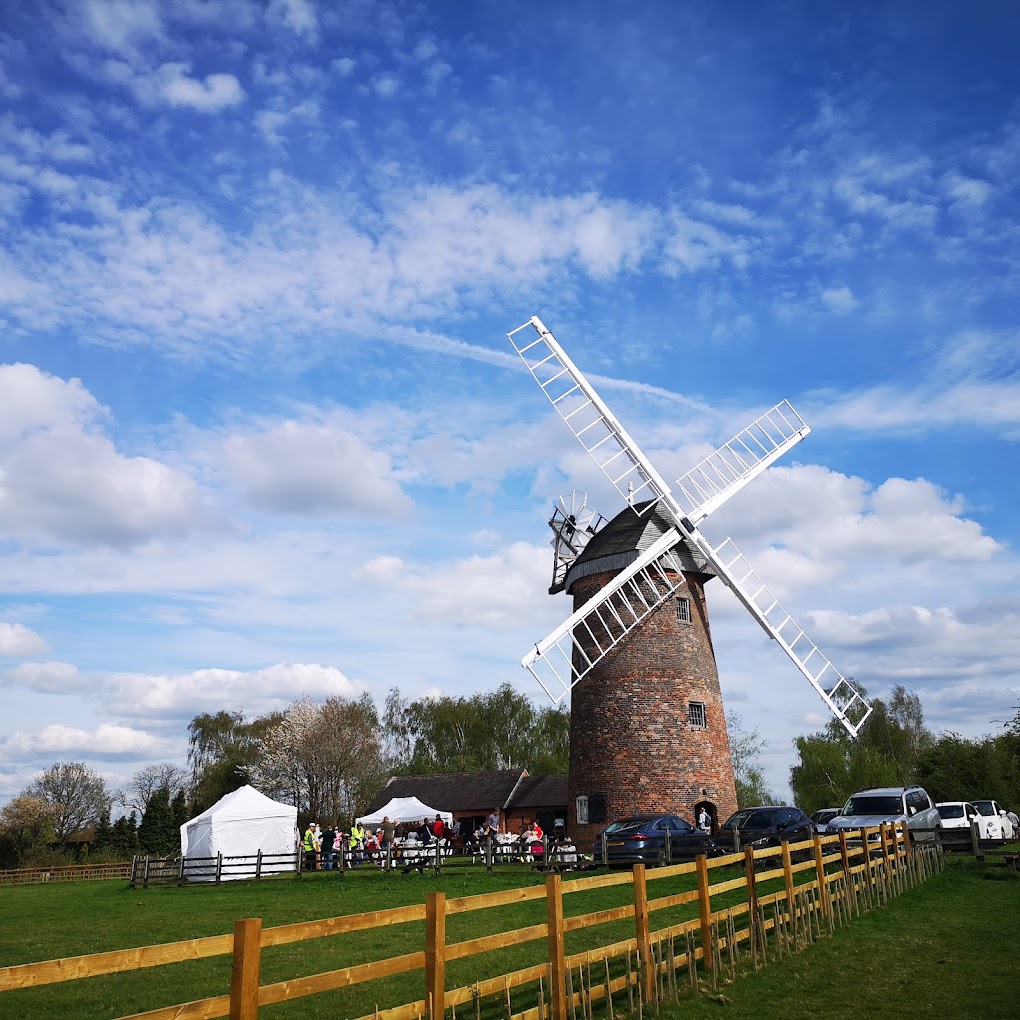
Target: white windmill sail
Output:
[
  {"x": 710, "y": 483},
  {"x": 585, "y": 638}
]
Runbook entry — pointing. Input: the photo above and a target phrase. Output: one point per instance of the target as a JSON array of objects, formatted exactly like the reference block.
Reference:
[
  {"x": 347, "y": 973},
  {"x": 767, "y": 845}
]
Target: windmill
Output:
[{"x": 647, "y": 725}]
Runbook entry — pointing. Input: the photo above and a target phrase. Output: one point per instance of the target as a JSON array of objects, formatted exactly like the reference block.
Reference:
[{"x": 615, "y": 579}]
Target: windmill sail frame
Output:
[{"x": 708, "y": 485}]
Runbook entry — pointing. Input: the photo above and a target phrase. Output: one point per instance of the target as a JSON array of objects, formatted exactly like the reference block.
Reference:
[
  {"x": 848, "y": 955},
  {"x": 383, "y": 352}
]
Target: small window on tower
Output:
[
  {"x": 683, "y": 610},
  {"x": 697, "y": 715}
]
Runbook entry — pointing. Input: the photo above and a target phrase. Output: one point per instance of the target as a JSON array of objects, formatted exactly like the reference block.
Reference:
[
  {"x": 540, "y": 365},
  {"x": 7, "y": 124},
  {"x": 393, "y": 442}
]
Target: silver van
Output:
[{"x": 910, "y": 804}]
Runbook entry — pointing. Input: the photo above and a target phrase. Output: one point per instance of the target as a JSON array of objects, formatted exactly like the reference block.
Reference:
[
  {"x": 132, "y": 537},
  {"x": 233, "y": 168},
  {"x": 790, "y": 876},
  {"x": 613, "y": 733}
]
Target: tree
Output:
[
  {"x": 26, "y": 825},
  {"x": 500, "y": 729},
  {"x": 746, "y": 748},
  {"x": 220, "y": 749},
  {"x": 146, "y": 781},
  {"x": 77, "y": 795},
  {"x": 326, "y": 759},
  {"x": 157, "y": 835}
]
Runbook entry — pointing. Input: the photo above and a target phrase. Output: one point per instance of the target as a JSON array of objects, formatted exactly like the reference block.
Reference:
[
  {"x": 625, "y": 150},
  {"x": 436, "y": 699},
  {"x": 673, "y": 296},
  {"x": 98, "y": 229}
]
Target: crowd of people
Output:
[{"x": 330, "y": 847}]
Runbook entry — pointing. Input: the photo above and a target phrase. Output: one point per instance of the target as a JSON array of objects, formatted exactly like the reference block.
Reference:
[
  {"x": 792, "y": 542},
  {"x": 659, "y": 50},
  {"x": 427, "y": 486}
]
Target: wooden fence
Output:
[
  {"x": 73, "y": 873},
  {"x": 544, "y": 854},
  {"x": 146, "y": 871},
  {"x": 772, "y": 907},
  {"x": 968, "y": 843}
]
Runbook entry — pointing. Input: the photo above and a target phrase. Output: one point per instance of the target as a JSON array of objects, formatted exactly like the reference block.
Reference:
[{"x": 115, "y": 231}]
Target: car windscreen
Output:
[
  {"x": 874, "y": 804},
  {"x": 951, "y": 810},
  {"x": 751, "y": 820},
  {"x": 627, "y": 825},
  {"x": 824, "y": 816},
  {"x": 984, "y": 807}
]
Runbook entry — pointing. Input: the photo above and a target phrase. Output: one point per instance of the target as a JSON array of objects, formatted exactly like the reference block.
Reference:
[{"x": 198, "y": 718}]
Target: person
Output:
[
  {"x": 339, "y": 841},
  {"x": 385, "y": 833},
  {"x": 1014, "y": 821},
  {"x": 493, "y": 820},
  {"x": 326, "y": 841},
  {"x": 438, "y": 827},
  {"x": 357, "y": 842},
  {"x": 704, "y": 819},
  {"x": 308, "y": 844},
  {"x": 425, "y": 831}
]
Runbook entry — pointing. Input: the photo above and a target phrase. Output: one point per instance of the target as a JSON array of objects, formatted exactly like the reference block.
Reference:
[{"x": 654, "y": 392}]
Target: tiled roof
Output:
[
  {"x": 541, "y": 792},
  {"x": 477, "y": 792}
]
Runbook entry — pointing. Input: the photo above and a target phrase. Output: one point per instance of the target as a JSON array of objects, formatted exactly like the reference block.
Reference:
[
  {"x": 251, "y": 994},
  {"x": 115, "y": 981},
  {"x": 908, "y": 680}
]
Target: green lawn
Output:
[
  {"x": 950, "y": 943},
  {"x": 950, "y": 947}
]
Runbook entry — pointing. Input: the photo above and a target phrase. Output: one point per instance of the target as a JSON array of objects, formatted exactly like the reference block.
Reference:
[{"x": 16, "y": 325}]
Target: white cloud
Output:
[
  {"x": 487, "y": 591},
  {"x": 17, "y": 640},
  {"x": 386, "y": 85},
  {"x": 210, "y": 94},
  {"x": 272, "y": 122},
  {"x": 46, "y": 677},
  {"x": 297, "y": 15},
  {"x": 210, "y": 690},
  {"x": 840, "y": 300},
  {"x": 62, "y": 480},
  {"x": 121, "y": 26},
  {"x": 108, "y": 741},
  {"x": 300, "y": 468},
  {"x": 696, "y": 245}
]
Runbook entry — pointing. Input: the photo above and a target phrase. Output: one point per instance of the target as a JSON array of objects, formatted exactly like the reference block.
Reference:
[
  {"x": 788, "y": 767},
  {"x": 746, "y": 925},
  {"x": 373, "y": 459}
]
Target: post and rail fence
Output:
[
  {"x": 66, "y": 873},
  {"x": 702, "y": 931}
]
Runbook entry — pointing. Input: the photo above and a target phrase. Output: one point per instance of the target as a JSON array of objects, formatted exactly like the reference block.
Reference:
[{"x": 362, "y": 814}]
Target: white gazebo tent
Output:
[
  {"x": 403, "y": 809},
  {"x": 240, "y": 825}
]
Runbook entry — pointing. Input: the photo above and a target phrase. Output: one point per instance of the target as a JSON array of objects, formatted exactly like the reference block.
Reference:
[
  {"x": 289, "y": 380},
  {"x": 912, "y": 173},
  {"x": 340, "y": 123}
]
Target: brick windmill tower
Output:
[{"x": 648, "y": 732}]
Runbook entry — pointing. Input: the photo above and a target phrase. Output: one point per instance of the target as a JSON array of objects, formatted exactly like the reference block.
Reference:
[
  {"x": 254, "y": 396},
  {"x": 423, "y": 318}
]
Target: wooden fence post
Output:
[
  {"x": 245, "y": 970},
  {"x": 557, "y": 953},
  {"x": 886, "y": 867},
  {"x": 975, "y": 840},
  {"x": 823, "y": 888},
  {"x": 435, "y": 955},
  {"x": 644, "y": 942},
  {"x": 791, "y": 904},
  {"x": 705, "y": 913},
  {"x": 752, "y": 884}
]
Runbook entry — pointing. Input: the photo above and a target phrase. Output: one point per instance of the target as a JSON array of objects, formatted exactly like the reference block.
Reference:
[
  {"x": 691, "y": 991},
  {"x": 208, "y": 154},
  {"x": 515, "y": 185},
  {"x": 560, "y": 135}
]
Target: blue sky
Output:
[{"x": 261, "y": 431}]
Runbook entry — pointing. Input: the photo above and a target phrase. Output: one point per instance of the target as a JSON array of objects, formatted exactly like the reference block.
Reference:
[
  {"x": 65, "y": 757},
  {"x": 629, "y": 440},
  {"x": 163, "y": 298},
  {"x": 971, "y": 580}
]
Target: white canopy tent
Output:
[
  {"x": 403, "y": 809},
  {"x": 239, "y": 825}
]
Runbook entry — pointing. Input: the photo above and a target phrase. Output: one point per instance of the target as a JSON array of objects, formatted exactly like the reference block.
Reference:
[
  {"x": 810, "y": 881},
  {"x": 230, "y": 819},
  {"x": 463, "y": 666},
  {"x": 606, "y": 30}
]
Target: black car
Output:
[
  {"x": 641, "y": 839},
  {"x": 763, "y": 826}
]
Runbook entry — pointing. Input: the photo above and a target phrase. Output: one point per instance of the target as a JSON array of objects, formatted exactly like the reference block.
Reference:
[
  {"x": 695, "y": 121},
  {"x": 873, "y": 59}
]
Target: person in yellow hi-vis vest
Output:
[
  {"x": 308, "y": 845},
  {"x": 357, "y": 843}
]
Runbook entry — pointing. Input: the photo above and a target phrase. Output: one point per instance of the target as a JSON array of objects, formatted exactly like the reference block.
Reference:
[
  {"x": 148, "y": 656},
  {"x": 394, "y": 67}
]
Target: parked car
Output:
[
  {"x": 821, "y": 818},
  {"x": 956, "y": 814},
  {"x": 764, "y": 826},
  {"x": 910, "y": 804},
  {"x": 990, "y": 811},
  {"x": 641, "y": 839}
]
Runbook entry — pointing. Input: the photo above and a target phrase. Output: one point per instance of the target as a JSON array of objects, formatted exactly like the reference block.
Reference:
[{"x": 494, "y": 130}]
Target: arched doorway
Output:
[{"x": 712, "y": 811}]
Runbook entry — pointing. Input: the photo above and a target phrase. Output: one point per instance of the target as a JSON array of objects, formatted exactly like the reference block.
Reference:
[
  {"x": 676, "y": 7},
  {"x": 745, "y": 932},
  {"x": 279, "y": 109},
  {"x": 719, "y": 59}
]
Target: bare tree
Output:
[
  {"x": 77, "y": 794},
  {"x": 146, "y": 781},
  {"x": 324, "y": 758}
]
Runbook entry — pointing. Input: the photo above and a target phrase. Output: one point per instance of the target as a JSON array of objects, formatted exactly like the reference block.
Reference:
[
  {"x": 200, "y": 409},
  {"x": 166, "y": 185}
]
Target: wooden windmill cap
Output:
[{"x": 624, "y": 538}]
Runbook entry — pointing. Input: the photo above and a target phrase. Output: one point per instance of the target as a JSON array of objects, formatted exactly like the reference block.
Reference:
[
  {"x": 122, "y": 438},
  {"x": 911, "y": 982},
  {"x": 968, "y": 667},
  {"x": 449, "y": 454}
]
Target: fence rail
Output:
[
  {"x": 848, "y": 876},
  {"x": 70, "y": 873}
]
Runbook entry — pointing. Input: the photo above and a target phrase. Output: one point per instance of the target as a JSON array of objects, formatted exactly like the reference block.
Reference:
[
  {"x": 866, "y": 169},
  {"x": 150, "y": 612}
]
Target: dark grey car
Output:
[
  {"x": 763, "y": 827},
  {"x": 641, "y": 839}
]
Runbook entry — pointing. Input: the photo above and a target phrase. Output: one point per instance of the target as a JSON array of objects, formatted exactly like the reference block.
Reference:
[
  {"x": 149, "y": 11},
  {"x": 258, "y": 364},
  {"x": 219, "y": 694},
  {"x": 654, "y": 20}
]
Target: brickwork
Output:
[{"x": 630, "y": 737}]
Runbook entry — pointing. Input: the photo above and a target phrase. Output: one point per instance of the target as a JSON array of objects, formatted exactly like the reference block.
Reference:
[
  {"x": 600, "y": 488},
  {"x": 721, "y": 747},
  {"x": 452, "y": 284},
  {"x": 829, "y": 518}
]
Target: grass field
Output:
[
  {"x": 950, "y": 947},
  {"x": 951, "y": 944}
]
